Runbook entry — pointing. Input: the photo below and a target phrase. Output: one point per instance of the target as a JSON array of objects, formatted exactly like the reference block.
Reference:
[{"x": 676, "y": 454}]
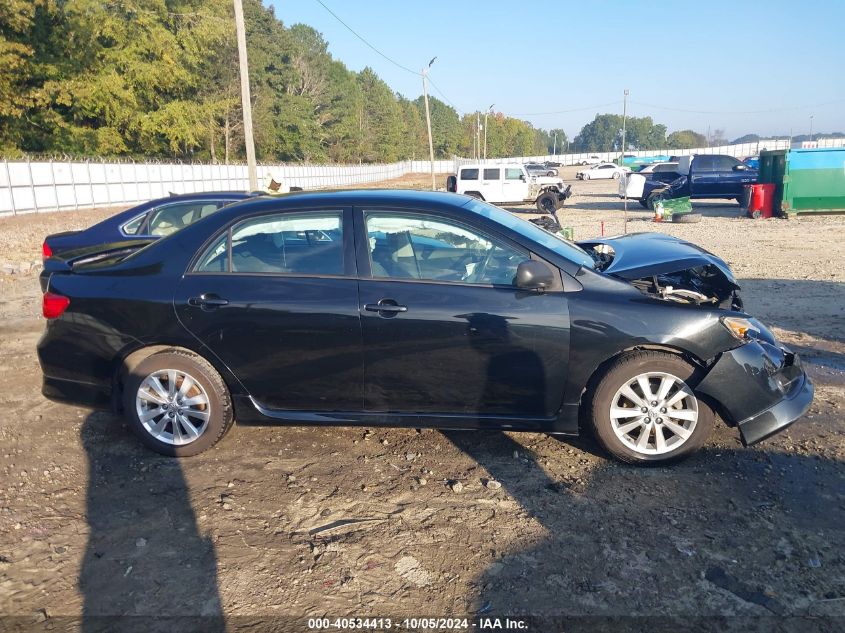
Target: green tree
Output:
[{"x": 685, "y": 139}]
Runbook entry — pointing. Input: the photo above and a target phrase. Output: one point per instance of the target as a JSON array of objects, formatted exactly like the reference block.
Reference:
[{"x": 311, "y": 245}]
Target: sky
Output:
[{"x": 762, "y": 66}]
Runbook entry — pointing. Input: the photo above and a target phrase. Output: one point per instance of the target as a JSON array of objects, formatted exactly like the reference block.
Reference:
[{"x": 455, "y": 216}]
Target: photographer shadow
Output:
[{"x": 146, "y": 566}]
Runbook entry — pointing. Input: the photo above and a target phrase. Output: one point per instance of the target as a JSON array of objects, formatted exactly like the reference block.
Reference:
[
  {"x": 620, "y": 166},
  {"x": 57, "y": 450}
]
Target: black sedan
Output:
[
  {"x": 145, "y": 222},
  {"x": 392, "y": 308}
]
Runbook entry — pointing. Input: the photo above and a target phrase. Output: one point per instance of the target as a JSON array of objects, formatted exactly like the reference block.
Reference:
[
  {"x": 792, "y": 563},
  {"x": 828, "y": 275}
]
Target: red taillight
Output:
[
  {"x": 53, "y": 305},
  {"x": 46, "y": 251}
]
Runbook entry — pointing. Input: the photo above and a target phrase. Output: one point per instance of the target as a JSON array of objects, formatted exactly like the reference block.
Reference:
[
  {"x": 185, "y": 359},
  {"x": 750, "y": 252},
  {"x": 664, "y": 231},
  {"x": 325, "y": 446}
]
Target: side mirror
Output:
[{"x": 533, "y": 275}]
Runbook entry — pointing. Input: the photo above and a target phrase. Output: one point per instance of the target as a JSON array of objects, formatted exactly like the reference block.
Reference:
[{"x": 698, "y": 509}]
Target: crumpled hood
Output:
[{"x": 639, "y": 255}]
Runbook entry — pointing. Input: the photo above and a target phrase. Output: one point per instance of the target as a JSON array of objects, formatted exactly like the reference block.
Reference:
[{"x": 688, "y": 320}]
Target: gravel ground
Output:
[{"x": 287, "y": 521}]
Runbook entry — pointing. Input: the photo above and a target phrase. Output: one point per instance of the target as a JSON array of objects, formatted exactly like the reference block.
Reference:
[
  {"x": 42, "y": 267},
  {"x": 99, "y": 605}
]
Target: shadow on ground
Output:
[
  {"x": 651, "y": 541},
  {"x": 145, "y": 555}
]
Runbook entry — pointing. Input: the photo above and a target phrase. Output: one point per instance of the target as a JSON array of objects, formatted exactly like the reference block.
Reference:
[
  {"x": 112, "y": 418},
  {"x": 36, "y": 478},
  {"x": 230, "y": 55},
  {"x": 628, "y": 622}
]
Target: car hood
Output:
[{"x": 639, "y": 255}]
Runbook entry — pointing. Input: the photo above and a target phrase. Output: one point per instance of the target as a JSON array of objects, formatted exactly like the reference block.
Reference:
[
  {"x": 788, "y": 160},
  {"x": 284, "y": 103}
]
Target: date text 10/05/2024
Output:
[{"x": 418, "y": 624}]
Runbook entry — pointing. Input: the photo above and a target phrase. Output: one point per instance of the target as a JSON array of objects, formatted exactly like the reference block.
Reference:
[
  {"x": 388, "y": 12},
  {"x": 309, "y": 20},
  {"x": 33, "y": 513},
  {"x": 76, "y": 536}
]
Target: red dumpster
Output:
[{"x": 760, "y": 200}]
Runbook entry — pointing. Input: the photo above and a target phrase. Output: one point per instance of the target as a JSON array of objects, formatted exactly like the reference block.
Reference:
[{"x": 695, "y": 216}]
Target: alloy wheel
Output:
[
  {"x": 173, "y": 406},
  {"x": 654, "y": 413}
]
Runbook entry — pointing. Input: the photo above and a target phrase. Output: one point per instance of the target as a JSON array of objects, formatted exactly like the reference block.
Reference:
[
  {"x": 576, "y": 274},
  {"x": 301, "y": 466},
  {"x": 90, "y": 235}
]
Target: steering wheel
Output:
[{"x": 478, "y": 273}]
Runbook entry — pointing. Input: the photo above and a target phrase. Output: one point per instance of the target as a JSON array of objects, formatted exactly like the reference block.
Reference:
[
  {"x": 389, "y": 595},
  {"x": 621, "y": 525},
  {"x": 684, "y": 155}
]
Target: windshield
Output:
[{"x": 562, "y": 247}]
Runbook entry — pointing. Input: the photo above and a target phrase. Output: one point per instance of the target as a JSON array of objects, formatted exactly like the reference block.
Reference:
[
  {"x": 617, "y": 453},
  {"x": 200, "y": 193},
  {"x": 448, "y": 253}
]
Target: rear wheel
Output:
[
  {"x": 644, "y": 410},
  {"x": 616, "y": 175},
  {"x": 652, "y": 200},
  {"x": 547, "y": 202},
  {"x": 177, "y": 403}
]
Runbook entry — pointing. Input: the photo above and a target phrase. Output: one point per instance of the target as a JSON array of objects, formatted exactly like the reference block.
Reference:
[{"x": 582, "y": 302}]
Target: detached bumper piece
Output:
[{"x": 762, "y": 388}]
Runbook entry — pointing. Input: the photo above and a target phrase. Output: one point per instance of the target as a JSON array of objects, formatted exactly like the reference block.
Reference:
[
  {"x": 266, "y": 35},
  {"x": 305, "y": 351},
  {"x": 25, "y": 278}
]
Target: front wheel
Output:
[
  {"x": 616, "y": 175},
  {"x": 644, "y": 410},
  {"x": 177, "y": 403}
]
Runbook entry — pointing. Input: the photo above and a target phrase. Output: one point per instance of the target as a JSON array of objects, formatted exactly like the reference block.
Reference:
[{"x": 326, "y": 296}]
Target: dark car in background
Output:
[
  {"x": 415, "y": 309},
  {"x": 540, "y": 169},
  {"x": 148, "y": 221},
  {"x": 703, "y": 176}
]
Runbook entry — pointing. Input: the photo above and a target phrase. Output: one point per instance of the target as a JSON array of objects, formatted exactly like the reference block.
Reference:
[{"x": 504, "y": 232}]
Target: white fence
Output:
[
  {"x": 30, "y": 186},
  {"x": 739, "y": 150}
]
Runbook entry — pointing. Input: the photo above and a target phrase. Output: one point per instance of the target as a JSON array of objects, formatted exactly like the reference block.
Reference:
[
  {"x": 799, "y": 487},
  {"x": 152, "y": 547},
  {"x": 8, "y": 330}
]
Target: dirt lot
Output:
[{"x": 292, "y": 522}]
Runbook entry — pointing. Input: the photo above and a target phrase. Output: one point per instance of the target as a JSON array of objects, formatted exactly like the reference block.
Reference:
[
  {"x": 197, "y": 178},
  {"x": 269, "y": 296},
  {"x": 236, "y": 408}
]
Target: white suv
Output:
[{"x": 509, "y": 183}]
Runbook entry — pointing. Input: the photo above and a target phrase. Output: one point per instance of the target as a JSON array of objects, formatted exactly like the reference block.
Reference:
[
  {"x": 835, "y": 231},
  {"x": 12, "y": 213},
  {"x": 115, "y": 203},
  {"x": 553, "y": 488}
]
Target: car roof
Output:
[
  {"x": 204, "y": 195},
  {"x": 346, "y": 197}
]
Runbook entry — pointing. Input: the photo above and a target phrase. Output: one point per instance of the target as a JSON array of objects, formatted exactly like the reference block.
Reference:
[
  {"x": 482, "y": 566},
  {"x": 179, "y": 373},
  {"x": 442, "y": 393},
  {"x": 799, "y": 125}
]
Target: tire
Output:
[
  {"x": 679, "y": 436},
  {"x": 474, "y": 194},
  {"x": 643, "y": 203},
  {"x": 451, "y": 183},
  {"x": 585, "y": 177},
  {"x": 651, "y": 200},
  {"x": 551, "y": 174},
  {"x": 207, "y": 385},
  {"x": 756, "y": 215},
  {"x": 686, "y": 218},
  {"x": 547, "y": 202},
  {"x": 616, "y": 175}
]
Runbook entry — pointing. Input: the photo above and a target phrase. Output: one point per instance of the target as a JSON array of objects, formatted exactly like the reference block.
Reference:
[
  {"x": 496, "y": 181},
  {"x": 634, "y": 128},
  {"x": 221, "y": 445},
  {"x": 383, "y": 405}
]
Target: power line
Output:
[
  {"x": 440, "y": 92},
  {"x": 360, "y": 37},
  {"x": 600, "y": 105},
  {"x": 767, "y": 110}
]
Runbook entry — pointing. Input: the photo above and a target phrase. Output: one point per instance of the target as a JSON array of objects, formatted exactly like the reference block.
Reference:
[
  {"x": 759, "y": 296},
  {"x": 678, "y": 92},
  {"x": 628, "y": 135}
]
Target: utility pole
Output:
[
  {"x": 428, "y": 121},
  {"x": 554, "y": 147},
  {"x": 246, "y": 100},
  {"x": 477, "y": 134},
  {"x": 811, "y": 128},
  {"x": 622, "y": 158},
  {"x": 490, "y": 109}
]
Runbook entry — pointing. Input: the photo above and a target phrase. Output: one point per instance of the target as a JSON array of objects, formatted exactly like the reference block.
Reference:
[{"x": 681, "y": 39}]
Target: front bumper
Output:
[
  {"x": 775, "y": 419},
  {"x": 761, "y": 389}
]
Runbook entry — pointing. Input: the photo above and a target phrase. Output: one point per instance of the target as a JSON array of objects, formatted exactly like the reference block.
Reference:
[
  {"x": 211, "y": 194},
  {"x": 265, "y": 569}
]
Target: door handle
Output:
[
  {"x": 385, "y": 305},
  {"x": 208, "y": 301}
]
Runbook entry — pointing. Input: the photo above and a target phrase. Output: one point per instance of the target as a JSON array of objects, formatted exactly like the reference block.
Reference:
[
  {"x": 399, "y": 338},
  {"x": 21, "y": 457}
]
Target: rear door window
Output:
[
  {"x": 469, "y": 174},
  {"x": 704, "y": 163},
  {"x": 290, "y": 243},
  {"x": 491, "y": 174},
  {"x": 513, "y": 174}
]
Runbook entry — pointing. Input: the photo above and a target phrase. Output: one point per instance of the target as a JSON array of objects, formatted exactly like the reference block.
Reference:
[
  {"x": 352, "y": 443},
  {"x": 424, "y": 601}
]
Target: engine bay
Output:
[{"x": 705, "y": 284}]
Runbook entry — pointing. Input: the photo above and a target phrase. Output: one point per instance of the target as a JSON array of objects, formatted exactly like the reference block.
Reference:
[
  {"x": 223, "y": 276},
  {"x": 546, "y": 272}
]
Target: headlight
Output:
[{"x": 742, "y": 329}]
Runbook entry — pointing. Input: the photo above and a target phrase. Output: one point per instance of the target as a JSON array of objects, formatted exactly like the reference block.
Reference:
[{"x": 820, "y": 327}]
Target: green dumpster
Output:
[{"x": 806, "y": 180}]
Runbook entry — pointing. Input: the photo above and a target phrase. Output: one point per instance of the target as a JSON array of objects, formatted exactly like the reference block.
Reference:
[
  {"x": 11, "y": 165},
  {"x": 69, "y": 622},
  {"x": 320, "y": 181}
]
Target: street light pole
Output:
[
  {"x": 246, "y": 100},
  {"x": 428, "y": 122},
  {"x": 490, "y": 109},
  {"x": 477, "y": 134},
  {"x": 811, "y": 128},
  {"x": 554, "y": 147}
]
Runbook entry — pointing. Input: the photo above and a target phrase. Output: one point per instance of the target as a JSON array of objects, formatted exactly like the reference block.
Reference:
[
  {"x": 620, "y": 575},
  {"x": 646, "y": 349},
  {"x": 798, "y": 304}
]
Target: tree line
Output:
[{"x": 159, "y": 78}]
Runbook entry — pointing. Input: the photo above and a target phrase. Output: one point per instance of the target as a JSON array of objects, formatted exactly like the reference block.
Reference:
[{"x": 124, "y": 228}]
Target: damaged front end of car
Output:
[
  {"x": 758, "y": 383},
  {"x": 667, "y": 268}
]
